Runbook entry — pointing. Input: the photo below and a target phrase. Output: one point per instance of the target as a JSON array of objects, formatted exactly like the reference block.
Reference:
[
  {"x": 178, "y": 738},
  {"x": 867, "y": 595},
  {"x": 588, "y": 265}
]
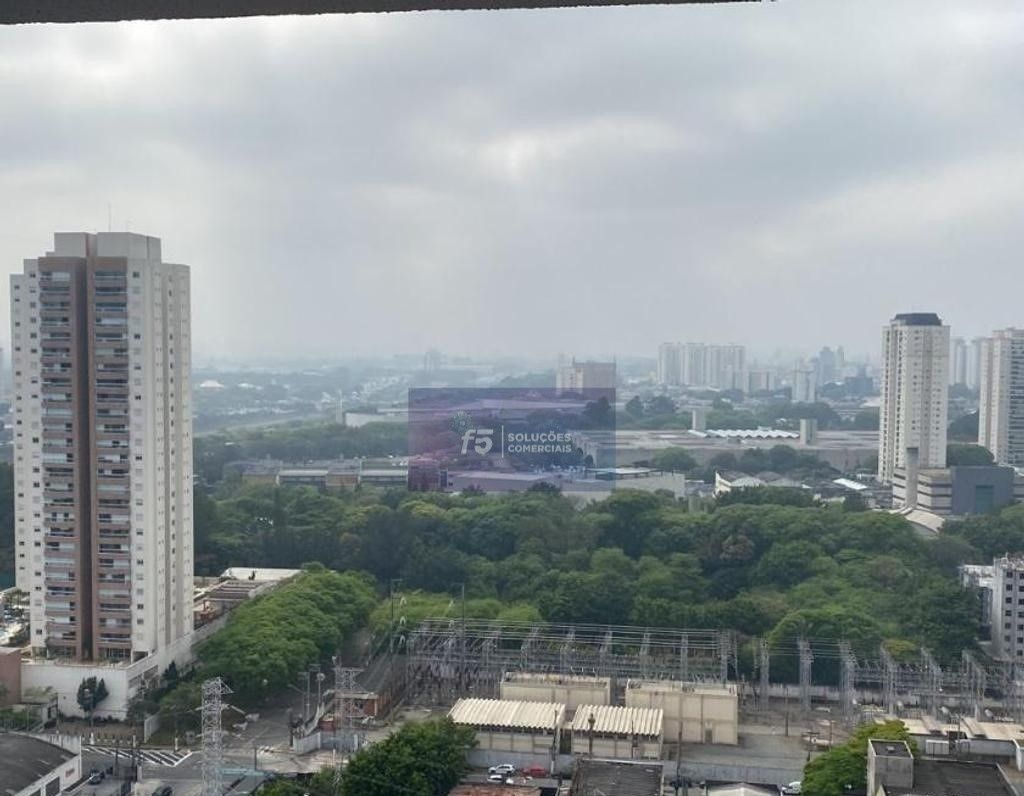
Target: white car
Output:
[
  {"x": 504, "y": 768},
  {"x": 792, "y": 789}
]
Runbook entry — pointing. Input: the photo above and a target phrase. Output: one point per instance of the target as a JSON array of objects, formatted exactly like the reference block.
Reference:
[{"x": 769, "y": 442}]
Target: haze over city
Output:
[{"x": 533, "y": 182}]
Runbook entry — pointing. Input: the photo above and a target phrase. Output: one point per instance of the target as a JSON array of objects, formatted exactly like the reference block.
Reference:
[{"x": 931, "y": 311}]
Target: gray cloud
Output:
[{"x": 591, "y": 180}]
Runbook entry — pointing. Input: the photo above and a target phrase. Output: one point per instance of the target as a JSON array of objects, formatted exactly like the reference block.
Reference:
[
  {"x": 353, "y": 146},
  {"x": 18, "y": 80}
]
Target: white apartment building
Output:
[
  {"x": 805, "y": 384},
  {"x": 103, "y": 455},
  {"x": 1008, "y": 608},
  {"x": 722, "y": 367},
  {"x": 958, "y": 361},
  {"x": 1001, "y": 403},
  {"x": 670, "y": 364},
  {"x": 914, "y": 397}
]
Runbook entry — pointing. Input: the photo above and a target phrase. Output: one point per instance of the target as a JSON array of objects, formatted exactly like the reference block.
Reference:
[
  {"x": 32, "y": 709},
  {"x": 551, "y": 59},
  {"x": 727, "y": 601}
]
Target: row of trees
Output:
[
  {"x": 268, "y": 641},
  {"x": 660, "y": 411}
]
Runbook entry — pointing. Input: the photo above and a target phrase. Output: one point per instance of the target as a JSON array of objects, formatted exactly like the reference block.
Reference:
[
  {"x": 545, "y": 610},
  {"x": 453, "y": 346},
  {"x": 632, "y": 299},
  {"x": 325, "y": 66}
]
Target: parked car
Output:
[
  {"x": 502, "y": 779},
  {"x": 95, "y": 777},
  {"x": 535, "y": 771},
  {"x": 165, "y": 790},
  {"x": 792, "y": 789},
  {"x": 503, "y": 768}
]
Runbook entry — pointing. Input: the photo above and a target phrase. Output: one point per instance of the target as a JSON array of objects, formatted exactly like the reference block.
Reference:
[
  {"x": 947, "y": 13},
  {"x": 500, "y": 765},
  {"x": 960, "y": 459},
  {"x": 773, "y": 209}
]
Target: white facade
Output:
[
  {"x": 1008, "y": 608},
  {"x": 670, "y": 364},
  {"x": 103, "y": 447},
  {"x": 958, "y": 361},
  {"x": 805, "y": 385},
  {"x": 1001, "y": 402},
  {"x": 722, "y": 367},
  {"x": 914, "y": 396}
]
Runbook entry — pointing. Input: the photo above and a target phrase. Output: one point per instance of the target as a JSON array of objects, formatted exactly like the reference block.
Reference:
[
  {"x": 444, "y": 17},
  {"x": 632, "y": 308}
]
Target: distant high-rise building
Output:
[
  {"x": 841, "y": 362},
  {"x": 670, "y": 364},
  {"x": 958, "y": 361},
  {"x": 826, "y": 366},
  {"x": 103, "y": 449},
  {"x": 1001, "y": 401},
  {"x": 433, "y": 360},
  {"x": 973, "y": 366},
  {"x": 720, "y": 367},
  {"x": 805, "y": 384},
  {"x": 914, "y": 397},
  {"x": 760, "y": 380},
  {"x": 585, "y": 376},
  {"x": 694, "y": 356}
]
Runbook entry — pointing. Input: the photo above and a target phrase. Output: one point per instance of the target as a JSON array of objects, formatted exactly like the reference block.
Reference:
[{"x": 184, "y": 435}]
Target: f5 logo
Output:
[{"x": 481, "y": 438}]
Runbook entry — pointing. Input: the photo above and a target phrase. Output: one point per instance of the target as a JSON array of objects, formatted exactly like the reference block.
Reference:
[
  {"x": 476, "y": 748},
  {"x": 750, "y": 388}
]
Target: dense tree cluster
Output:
[
  {"x": 632, "y": 558},
  {"x": 421, "y": 759},
  {"x": 268, "y": 641}
]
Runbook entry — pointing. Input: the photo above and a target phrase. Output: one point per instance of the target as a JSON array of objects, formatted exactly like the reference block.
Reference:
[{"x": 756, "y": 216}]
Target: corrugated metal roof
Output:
[
  {"x": 508, "y": 713},
  {"x": 619, "y": 720}
]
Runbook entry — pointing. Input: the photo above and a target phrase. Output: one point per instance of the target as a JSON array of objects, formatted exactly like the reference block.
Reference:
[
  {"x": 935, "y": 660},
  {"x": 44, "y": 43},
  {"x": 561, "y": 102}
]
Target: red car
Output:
[{"x": 535, "y": 771}]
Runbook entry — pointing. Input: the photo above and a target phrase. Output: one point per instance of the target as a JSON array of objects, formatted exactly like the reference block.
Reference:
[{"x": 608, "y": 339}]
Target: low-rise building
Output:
[
  {"x": 693, "y": 712},
  {"x": 624, "y": 733},
  {"x": 31, "y": 766},
  {"x": 958, "y": 491},
  {"x": 894, "y": 771},
  {"x": 512, "y": 726},
  {"x": 570, "y": 690}
]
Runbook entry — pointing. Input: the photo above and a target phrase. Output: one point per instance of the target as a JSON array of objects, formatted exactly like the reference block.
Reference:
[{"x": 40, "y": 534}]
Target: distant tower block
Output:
[
  {"x": 808, "y": 431},
  {"x": 700, "y": 419}
]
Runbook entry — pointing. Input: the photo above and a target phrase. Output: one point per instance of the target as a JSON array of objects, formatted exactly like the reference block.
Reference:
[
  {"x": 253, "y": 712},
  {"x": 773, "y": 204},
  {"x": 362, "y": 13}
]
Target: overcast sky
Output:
[{"x": 590, "y": 181}]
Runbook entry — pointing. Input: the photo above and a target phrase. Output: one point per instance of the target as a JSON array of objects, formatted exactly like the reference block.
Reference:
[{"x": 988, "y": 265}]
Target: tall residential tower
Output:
[
  {"x": 914, "y": 399},
  {"x": 103, "y": 447},
  {"x": 1001, "y": 404}
]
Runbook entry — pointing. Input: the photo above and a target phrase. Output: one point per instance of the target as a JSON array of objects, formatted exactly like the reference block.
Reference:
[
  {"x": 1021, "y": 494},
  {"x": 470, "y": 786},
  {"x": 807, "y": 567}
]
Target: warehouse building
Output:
[
  {"x": 33, "y": 767},
  {"x": 693, "y": 713},
  {"x": 512, "y": 726},
  {"x": 569, "y": 690},
  {"x": 618, "y": 732}
]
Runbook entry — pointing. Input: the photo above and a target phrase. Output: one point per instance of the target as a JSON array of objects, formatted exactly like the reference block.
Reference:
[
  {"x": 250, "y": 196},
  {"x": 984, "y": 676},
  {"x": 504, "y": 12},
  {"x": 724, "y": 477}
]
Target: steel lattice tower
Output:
[{"x": 213, "y": 738}]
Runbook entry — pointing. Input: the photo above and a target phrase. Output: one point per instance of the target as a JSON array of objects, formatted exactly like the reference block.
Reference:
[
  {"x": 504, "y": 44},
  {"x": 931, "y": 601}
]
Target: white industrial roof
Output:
[
  {"x": 619, "y": 720},
  {"x": 849, "y": 483},
  {"x": 508, "y": 713}
]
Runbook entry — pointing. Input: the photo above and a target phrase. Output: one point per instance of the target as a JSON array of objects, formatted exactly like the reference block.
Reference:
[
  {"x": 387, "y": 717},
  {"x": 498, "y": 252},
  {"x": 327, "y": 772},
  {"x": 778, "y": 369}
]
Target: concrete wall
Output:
[
  {"x": 484, "y": 758},
  {"x": 520, "y": 742},
  {"x": 122, "y": 682},
  {"x": 619, "y": 747}
]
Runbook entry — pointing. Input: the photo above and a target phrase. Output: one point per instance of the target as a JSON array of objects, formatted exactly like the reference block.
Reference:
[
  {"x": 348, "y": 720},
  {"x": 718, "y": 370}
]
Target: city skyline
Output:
[{"x": 717, "y": 183}]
